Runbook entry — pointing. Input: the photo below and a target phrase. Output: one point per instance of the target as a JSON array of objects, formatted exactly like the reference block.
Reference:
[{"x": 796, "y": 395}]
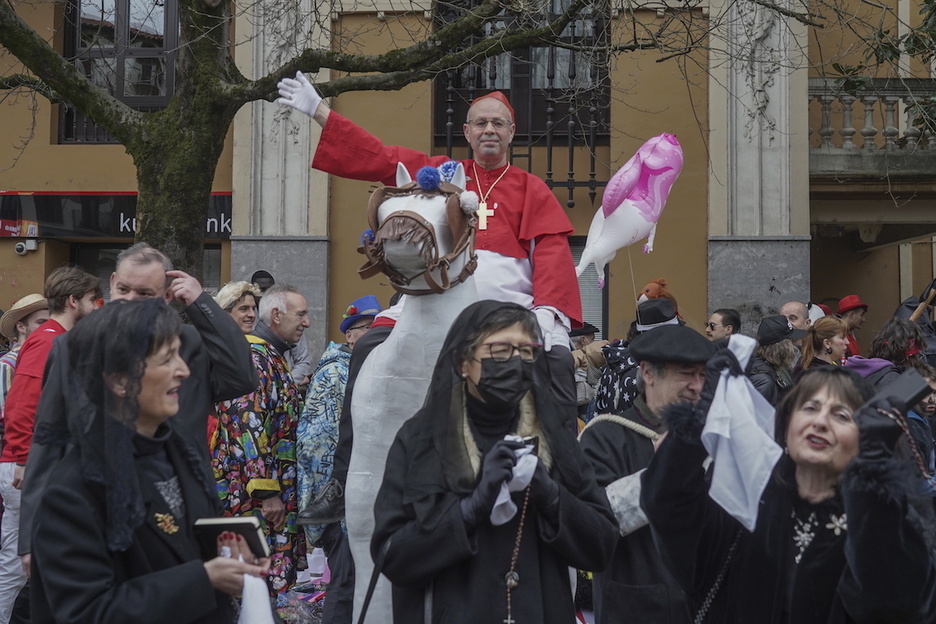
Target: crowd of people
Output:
[{"x": 539, "y": 457}]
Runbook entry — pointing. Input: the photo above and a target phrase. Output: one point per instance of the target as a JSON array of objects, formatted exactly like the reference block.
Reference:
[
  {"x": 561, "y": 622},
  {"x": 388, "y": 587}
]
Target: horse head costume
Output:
[
  {"x": 422, "y": 239},
  {"x": 423, "y": 245}
]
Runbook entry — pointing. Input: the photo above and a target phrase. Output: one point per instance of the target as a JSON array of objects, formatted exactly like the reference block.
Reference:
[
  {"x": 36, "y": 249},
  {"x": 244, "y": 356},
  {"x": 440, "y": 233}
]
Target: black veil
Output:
[
  {"x": 112, "y": 343},
  {"x": 445, "y": 399}
]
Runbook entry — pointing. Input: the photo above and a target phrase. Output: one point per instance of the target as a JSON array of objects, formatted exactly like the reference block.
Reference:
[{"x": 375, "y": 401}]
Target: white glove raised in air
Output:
[{"x": 299, "y": 93}]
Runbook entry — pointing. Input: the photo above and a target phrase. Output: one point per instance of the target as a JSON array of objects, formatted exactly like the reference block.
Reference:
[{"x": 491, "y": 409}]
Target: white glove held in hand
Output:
[
  {"x": 551, "y": 327},
  {"x": 299, "y": 94}
]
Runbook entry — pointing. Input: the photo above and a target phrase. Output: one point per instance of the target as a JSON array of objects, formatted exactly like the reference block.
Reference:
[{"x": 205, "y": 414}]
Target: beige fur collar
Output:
[{"x": 528, "y": 425}]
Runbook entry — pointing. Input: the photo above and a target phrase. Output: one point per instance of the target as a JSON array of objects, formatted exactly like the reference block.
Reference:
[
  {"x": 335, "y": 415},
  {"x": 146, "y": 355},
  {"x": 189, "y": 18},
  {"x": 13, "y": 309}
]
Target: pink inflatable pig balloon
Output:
[{"x": 633, "y": 202}]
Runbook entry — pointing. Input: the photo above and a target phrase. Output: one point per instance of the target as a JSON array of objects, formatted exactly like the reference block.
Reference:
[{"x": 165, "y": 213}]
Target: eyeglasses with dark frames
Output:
[
  {"x": 366, "y": 326},
  {"x": 503, "y": 351}
]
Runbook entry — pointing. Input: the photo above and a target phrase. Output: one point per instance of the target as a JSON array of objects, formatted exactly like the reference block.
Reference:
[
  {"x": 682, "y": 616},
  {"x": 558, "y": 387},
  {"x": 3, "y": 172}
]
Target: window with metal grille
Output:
[
  {"x": 594, "y": 301},
  {"x": 557, "y": 92},
  {"x": 126, "y": 47}
]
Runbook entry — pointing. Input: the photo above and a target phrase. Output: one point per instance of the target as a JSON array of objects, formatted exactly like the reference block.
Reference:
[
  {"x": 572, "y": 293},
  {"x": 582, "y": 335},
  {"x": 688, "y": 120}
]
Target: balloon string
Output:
[{"x": 630, "y": 262}]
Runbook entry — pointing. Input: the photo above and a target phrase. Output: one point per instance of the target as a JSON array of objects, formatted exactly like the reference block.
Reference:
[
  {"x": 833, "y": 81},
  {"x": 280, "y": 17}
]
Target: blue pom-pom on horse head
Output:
[{"x": 428, "y": 178}]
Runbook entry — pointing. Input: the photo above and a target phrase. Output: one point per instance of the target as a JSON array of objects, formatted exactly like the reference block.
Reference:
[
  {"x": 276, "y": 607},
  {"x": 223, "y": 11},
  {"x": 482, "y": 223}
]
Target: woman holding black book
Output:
[{"x": 114, "y": 541}]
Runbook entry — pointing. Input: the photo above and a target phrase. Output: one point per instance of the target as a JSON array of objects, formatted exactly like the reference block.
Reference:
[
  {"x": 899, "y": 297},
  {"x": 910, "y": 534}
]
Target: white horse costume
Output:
[{"x": 392, "y": 383}]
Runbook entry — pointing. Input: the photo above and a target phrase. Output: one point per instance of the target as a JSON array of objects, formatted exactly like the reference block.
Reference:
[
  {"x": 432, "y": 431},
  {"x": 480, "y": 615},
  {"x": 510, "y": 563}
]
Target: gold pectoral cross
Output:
[{"x": 483, "y": 214}]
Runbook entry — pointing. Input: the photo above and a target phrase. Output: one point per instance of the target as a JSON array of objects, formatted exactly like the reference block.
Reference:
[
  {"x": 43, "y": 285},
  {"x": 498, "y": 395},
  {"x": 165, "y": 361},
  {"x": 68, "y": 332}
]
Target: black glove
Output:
[
  {"x": 878, "y": 431},
  {"x": 687, "y": 421},
  {"x": 722, "y": 359},
  {"x": 496, "y": 468},
  {"x": 544, "y": 491}
]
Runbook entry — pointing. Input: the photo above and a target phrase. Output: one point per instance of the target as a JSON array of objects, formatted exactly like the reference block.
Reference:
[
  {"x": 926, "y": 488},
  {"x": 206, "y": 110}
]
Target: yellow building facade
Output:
[{"x": 765, "y": 211}]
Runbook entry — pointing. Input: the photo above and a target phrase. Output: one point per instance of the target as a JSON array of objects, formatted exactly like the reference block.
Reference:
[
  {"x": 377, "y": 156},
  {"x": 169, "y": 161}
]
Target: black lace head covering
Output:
[
  {"x": 445, "y": 399},
  {"x": 113, "y": 344}
]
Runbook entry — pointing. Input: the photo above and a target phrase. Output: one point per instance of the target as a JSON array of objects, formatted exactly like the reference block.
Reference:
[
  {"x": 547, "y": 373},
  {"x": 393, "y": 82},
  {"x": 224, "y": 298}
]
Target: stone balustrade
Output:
[{"x": 869, "y": 130}]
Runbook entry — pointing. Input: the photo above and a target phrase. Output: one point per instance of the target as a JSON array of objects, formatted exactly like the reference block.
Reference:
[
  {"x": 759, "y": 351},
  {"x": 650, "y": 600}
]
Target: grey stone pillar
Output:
[
  {"x": 757, "y": 275},
  {"x": 759, "y": 182},
  {"x": 280, "y": 204},
  {"x": 300, "y": 261}
]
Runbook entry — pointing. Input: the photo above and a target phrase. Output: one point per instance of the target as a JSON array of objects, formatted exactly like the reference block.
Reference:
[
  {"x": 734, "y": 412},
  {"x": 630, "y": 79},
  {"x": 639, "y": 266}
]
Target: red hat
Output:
[
  {"x": 500, "y": 97},
  {"x": 850, "y": 303}
]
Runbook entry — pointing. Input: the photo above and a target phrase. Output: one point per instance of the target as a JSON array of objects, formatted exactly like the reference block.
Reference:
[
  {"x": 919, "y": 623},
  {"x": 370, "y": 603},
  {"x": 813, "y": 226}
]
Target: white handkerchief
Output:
[
  {"x": 504, "y": 508},
  {"x": 255, "y": 605},
  {"x": 738, "y": 434}
]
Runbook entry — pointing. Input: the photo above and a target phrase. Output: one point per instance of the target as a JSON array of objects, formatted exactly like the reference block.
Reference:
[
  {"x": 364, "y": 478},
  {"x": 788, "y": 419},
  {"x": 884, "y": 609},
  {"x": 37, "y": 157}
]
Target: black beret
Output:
[
  {"x": 672, "y": 343},
  {"x": 773, "y": 329},
  {"x": 584, "y": 330}
]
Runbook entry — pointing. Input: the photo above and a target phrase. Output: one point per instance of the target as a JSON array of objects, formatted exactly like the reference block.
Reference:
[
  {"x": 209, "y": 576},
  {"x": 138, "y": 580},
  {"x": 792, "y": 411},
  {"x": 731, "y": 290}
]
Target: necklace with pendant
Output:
[
  {"x": 512, "y": 579},
  {"x": 483, "y": 212},
  {"x": 804, "y": 531}
]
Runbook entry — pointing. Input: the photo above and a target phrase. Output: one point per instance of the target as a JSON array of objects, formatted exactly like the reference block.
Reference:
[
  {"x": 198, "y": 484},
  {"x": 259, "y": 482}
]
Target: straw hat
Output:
[{"x": 20, "y": 310}]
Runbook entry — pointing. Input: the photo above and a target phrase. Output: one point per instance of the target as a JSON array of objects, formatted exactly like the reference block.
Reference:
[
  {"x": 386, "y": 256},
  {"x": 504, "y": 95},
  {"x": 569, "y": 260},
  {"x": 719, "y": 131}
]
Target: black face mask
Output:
[{"x": 502, "y": 384}]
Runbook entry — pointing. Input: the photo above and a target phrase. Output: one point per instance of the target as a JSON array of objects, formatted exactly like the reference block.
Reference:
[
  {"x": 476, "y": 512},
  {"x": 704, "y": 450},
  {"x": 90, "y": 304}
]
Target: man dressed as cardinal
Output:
[{"x": 522, "y": 237}]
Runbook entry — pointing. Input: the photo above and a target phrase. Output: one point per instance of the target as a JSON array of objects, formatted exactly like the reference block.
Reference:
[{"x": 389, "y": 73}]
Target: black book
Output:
[{"x": 208, "y": 529}]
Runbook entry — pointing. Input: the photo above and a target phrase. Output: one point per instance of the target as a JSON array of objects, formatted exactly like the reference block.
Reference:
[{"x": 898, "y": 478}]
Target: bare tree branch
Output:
[
  {"x": 61, "y": 76},
  {"x": 393, "y": 62},
  {"x": 17, "y": 81},
  {"x": 804, "y": 18},
  {"x": 29, "y": 132},
  {"x": 420, "y": 61}
]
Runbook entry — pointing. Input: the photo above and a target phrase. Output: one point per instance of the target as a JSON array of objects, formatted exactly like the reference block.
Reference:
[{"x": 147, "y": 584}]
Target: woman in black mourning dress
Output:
[
  {"x": 842, "y": 536},
  {"x": 447, "y": 560},
  {"x": 114, "y": 538}
]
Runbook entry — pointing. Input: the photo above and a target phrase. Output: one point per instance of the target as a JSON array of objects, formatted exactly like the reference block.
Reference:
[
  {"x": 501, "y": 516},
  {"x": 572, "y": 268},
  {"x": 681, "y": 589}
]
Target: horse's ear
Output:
[
  {"x": 402, "y": 175},
  {"x": 459, "y": 178}
]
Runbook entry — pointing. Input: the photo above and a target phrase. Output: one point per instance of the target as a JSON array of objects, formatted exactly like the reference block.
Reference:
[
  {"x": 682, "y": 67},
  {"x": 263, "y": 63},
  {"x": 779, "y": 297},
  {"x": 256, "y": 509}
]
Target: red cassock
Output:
[{"x": 526, "y": 217}]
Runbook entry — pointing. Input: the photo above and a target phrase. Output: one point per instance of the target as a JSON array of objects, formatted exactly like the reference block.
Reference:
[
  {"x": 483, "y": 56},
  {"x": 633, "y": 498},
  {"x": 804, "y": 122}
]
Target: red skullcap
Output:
[{"x": 500, "y": 97}]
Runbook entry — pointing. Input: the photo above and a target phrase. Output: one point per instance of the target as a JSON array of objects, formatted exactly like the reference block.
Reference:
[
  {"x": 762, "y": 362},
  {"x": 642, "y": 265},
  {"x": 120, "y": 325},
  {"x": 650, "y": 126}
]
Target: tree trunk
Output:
[{"x": 176, "y": 156}]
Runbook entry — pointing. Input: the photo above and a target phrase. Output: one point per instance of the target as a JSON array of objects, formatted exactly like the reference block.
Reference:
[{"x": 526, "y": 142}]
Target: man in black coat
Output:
[
  {"x": 617, "y": 388},
  {"x": 213, "y": 347},
  {"x": 636, "y": 585}
]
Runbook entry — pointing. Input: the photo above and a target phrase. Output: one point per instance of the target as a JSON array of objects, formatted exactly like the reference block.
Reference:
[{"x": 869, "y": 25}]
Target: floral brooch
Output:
[
  {"x": 837, "y": 524},
  {"x": 167, "y": 523}
]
